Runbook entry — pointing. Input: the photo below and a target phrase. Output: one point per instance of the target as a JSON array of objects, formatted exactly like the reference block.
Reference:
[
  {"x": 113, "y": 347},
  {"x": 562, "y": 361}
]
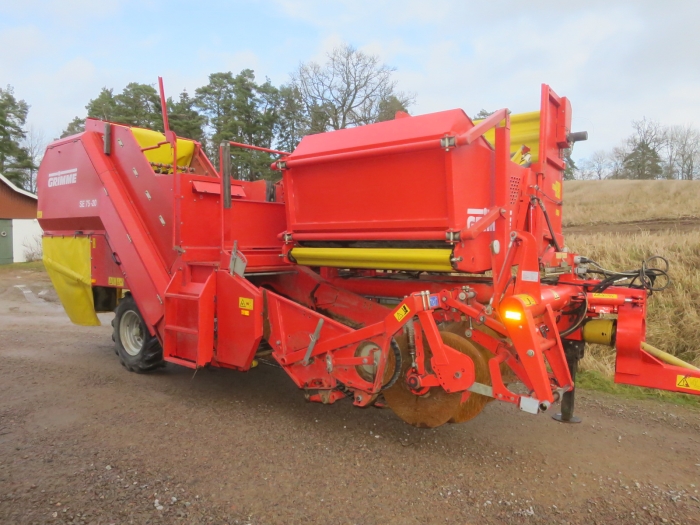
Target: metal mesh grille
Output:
[{"x": 514, "y": 188}]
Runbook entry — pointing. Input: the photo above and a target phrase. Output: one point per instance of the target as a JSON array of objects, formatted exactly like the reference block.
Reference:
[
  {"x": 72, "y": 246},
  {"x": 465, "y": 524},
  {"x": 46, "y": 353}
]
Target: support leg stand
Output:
[{"x": 574, "y": 352}]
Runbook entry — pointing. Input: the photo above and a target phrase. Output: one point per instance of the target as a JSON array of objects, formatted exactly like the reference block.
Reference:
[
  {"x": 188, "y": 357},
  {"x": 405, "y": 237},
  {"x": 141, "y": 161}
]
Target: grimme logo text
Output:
[{"x": 61, "y": 178}]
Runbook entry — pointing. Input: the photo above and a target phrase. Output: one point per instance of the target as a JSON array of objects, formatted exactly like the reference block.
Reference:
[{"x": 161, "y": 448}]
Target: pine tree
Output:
[
  {"x": 15, "y": 161},
  {"x": 75, "y": 126},
  {"x": 570, "y": 166},
  {"x": 292, "y": 122},
  {"x": 643, "y": 163},
  {"x": 389, "y": 107},
  {"x": 138, "y": 105},
  {"x": 184, "y": 119},
  {"x": 240, "y": 110}
]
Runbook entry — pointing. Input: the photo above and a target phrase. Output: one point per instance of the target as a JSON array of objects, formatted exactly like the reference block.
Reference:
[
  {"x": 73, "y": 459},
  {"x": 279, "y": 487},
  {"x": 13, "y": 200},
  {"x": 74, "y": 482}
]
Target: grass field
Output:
[
  {"x": 673, "y": 322},
  {"x": 611, "y": 201}
]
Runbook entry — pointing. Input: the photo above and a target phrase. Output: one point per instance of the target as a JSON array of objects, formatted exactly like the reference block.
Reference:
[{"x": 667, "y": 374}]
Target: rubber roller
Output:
[{"x": 427, "y": 260}]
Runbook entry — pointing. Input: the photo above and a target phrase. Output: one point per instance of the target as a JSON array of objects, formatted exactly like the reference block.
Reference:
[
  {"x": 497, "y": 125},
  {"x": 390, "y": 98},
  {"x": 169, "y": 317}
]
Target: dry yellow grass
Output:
[
  {"x": 673, "y": 322},
  {"x": 610, "y": 201}
]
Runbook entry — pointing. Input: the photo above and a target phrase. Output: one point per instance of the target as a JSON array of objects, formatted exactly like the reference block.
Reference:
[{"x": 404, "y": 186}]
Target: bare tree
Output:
[
  {"x": 350, "y": 89},
  {"x": 654, "y": 150},
  {"x": 597, "y": 166},
  {"x": 648, "y": 132},
  {"x": 683, "y": 152},
  {"x": 617, "y": 161},
  {"x": 670, "y": 151},
  {"x": 35, "y": 143}
]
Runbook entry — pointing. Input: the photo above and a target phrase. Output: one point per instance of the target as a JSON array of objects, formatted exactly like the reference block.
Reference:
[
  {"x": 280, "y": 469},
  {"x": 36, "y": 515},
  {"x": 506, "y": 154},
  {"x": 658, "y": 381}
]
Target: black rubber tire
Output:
[{"x": 150, "y": 356}]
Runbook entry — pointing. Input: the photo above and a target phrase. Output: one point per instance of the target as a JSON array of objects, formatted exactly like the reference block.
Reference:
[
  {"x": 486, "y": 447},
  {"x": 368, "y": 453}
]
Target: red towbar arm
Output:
[
  {"x": 482, "y": 127},
  {"x": 258, "y": 148}
]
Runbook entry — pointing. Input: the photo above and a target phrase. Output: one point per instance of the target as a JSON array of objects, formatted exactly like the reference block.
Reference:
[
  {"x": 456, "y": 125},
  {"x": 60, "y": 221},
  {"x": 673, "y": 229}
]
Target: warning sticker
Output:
[
  {"x": 527, "y": 299},
  {"x": 38, "y": 214},
  {"x": 245, "y": 303},
  {"x": 245, "y": 312},
  {"x": 556, "y": 187},
  {"x": 115, "y": 281},
  {"x": 689, "y": 383},
  {"x": 402, "y": 312},
  {"x": 604, "y": 295}
]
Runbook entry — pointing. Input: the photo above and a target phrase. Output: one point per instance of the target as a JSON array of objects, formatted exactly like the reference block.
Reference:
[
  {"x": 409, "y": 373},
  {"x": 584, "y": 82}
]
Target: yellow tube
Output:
[
  {"x": 433, "y": 260},
  {"x": 666, "y": 357}
]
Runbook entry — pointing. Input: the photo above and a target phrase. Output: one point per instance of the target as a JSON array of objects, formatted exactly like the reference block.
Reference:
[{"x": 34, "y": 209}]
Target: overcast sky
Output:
[{"x": 616, "y": 60}]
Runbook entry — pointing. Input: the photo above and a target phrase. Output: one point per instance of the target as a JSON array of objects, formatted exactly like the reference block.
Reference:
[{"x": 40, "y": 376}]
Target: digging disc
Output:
[
  {"x": 475, "y": 403},
  {"x": 430, "y": 410},
  {"x": 460, "y": 329}
]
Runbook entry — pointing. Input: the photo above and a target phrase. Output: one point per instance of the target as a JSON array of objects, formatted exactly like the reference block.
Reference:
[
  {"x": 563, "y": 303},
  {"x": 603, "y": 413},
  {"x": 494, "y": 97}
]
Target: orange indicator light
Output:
[{"x": 513, "y": 315}]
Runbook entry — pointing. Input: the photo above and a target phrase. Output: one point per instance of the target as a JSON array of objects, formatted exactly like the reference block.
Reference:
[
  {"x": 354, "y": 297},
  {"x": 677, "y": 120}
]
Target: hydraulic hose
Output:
[{"x": 549, "y": 224}]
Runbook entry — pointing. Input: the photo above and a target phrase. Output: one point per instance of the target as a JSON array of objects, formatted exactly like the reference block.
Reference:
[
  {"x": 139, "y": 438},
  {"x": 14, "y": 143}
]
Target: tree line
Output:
[
  {"x": 652, "y": 151},
  {"x": 351, "y": 88}
]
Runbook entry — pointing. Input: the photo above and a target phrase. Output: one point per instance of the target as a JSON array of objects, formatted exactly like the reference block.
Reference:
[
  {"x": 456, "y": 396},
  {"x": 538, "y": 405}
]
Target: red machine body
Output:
[{"x": 216, "y": 266}]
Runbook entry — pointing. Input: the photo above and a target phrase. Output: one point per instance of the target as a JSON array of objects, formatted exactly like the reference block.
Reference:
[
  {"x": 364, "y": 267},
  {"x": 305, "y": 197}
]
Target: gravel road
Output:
[{"x": 84, "y": 441}]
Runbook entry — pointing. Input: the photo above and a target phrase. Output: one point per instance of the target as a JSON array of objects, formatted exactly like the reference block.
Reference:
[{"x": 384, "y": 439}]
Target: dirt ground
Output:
[
  {"x": 652, "y": 225},
  {"x": 84, "y": 441}
]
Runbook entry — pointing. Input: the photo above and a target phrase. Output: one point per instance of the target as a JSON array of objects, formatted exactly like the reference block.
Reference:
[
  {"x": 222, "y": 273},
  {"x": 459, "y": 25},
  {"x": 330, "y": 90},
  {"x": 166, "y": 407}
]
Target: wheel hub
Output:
[{"x": 131, "y": 332}]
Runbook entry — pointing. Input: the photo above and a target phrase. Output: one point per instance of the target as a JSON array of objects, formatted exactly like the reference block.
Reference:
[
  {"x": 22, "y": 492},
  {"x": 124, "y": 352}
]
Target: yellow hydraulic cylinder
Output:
[
  {"x": 600, "y": 332},
  {"x": 428, "y": 260}
]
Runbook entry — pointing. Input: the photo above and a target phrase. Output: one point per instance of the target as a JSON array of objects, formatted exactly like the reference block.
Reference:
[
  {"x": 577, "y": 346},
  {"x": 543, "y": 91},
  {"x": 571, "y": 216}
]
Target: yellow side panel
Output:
[
  {"x": 163, "y": 154},
  {"x": 524, "y": 130},
  {"x": 67, "y": 261},
  {"x": 437, "y": 260}
]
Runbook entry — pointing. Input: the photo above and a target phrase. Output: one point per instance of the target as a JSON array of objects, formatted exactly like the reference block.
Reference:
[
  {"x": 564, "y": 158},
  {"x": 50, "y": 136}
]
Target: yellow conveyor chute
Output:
[
  {"x": 163, "y": 154},
  {"x": 524, "y": 130},
  {"x": 67, "y": 261}
]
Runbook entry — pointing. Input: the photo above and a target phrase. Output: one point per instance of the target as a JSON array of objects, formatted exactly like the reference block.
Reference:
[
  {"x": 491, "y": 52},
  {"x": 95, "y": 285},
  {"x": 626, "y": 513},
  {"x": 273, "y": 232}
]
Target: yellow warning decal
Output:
[
  {"x": 527, "y": 299},
  {"x": 38, "y": 214},
  {"x": 245, "y": 312},
  {"x": 557, "y": 189},
  {"x": 689, "y": 383},
  {"x": 604, "y": 295},
  {"x": 115, "y": 281},
  {"x": 556, "y": 295},
  {"x": 245, "y": 303},
  {"x": 402, "y": 312},
  {"x": 561, "y": 255}
]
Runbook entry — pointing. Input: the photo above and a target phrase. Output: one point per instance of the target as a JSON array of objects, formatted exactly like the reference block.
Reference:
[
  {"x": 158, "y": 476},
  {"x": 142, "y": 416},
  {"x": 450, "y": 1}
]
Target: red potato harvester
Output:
[{"x": 417, "y": 263}]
